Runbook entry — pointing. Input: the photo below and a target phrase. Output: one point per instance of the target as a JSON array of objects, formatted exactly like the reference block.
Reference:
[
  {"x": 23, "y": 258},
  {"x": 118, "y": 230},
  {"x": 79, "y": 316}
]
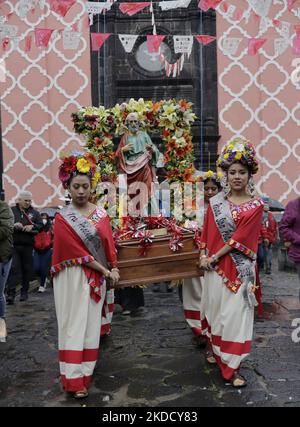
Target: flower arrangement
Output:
[
  {"x": 172, "y": 118},
  {"x": 238, "y": 150},
  {"x": 215, "y": 176},
  {"x": 98, "y": 126},
  {"x": 78, "y": 162}
]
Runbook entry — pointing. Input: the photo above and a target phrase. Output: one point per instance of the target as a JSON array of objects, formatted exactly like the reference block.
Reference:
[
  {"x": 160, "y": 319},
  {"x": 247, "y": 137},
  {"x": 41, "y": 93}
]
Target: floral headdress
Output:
[
  {"x": 78, "y": 163},
  {"x": 238, "y": 150},
  {"x": 215, "y": 176}
]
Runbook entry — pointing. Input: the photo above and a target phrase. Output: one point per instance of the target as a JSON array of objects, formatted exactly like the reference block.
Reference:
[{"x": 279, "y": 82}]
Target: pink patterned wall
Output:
[
  {"x": 257, "y": 98},
  {"x": 42, "y": 88}
]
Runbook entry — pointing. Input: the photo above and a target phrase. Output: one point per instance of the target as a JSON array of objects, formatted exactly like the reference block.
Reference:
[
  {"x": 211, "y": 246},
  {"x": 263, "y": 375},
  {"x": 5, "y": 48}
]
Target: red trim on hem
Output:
[
  {"x": 227, "y": 373},
  {"x": 230, "y": 347},
  {"x": 105, "y": 329},
  {"x": 75, "y": 384},
  {"x": 197, "y": 331},
  {"x": 111, "y": 307},
  {"x": 78, "y": 356},
  {"x": 192, "y": 314}
]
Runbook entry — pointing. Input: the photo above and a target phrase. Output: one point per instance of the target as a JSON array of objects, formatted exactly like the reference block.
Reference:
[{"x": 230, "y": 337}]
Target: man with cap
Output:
[{"x": 27, "y": 223}]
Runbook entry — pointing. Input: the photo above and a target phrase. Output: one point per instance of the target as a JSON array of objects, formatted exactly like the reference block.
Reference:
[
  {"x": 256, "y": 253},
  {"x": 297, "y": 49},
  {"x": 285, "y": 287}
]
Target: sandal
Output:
[
  {"x": 210, "y": 358},
  {"x": 238, "y": 381},
  {"x": 81, "y": 394}
]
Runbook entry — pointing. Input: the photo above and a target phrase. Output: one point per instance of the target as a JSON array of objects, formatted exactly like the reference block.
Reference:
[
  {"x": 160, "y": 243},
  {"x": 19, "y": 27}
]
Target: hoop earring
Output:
[
  {"x": 250, "y": 189},
  {"x": 225, "y": 186}
]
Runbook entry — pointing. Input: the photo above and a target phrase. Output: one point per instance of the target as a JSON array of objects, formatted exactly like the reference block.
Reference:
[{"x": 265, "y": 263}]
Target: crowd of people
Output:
[
  {"x": 237, "y": 235},
  {"x": 26, "y": 238}
]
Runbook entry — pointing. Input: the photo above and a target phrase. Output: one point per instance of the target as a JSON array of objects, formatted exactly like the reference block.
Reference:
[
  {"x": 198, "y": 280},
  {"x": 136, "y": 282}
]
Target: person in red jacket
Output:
[{"x": 268, "y": 236}]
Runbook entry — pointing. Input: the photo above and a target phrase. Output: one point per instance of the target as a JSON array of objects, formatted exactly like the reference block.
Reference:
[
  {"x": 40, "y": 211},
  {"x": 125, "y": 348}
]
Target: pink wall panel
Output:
[
  {"x": 42, "y": 88},
  {"x": 257, "y": 98}
]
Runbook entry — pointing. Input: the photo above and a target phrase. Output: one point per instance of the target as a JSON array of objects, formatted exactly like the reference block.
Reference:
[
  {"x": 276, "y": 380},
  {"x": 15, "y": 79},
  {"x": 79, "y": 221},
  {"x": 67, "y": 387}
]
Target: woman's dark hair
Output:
[
  {"x": 214, "y": 181},
  {"x": 74, "y": 174},
  {"x": 243, "y": 164}
]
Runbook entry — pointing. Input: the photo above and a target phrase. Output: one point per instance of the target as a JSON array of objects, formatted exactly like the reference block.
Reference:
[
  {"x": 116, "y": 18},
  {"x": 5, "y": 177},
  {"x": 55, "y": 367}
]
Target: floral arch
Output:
[{"x": 172, "y": 119}]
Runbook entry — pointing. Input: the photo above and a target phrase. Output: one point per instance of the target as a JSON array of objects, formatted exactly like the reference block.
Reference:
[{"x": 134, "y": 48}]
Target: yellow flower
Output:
[
  {"x": 95, "y": 180},
  {"x": 209, "y": 174},
  {"x": 226, "y": 156},
  {"x": 230, "y": 146},
  {"x": 83, "y": 166},
  {"x": 238, "y": 156},
  {"x": 219, "y": 174}
]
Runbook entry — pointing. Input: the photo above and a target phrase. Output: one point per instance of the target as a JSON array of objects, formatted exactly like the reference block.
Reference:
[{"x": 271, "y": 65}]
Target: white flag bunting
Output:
[
  {"x": 261, "y": 7},
  {"x": 168, "y": 5},
  {"x": 94, "y": 8},
  {"x": 183, "y": 44},
  {"x": 280, "y": 46},
  {"x": 71, "y": 39},
  {"x": 230, "y": 45},
  {"x": 128, "y": 41}
]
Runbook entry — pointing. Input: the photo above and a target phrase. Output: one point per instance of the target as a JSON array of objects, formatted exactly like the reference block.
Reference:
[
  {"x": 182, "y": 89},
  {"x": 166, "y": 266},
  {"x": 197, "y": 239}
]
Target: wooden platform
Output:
[{"x": 160, "y": 264}]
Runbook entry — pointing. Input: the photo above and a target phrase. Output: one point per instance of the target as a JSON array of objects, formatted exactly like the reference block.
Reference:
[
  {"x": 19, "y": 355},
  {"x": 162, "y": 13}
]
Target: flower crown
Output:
[
  {"x": 78, "y": 163},
  {"x": 215, "y": 176},
  {"x": 238, "y": 150}
]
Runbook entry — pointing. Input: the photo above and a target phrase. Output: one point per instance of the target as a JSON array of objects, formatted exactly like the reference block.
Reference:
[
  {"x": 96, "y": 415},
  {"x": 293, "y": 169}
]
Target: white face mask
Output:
[{"x": 44, "y": 221}]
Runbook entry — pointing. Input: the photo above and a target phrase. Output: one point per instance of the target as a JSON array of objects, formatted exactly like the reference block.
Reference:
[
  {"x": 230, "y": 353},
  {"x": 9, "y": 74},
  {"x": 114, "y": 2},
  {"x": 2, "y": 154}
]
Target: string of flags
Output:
[{"x": 183, "y": 44}]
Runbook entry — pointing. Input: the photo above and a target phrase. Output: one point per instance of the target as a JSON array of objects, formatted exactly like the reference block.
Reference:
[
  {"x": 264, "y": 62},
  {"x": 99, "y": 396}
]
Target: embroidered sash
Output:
[
  {"x": 225, "y": 223},
  {"x": 87, "y": 233}
]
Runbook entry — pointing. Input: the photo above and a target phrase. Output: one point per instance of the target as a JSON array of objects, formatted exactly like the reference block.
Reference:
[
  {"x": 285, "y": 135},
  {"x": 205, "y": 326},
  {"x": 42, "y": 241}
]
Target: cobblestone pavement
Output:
[{"x": 150, "y": 359}]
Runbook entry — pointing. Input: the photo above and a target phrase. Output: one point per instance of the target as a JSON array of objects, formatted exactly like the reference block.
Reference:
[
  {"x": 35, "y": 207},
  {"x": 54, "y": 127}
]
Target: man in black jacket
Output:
[{"x": 27, "y": 224}]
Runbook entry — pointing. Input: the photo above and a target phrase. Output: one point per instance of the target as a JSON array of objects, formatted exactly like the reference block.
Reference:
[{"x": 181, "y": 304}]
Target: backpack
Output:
[{"x": 43, "y": 240}]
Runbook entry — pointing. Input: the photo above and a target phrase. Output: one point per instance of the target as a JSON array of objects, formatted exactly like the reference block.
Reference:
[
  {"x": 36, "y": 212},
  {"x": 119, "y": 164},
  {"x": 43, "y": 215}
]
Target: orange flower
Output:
[
  {"x": 183, "y": 104},
  {"x": 91, "y": 159},
  {"x": 156, "y": 106},
  {"x": 172, "y": 144},
  {"x": 180, "y": 152},
  {"x": 166, "y": 133}
]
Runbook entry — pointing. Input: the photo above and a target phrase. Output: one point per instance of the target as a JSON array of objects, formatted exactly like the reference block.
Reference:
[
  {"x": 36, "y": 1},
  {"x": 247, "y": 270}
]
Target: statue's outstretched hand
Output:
[{"x": 127, "y": 147}]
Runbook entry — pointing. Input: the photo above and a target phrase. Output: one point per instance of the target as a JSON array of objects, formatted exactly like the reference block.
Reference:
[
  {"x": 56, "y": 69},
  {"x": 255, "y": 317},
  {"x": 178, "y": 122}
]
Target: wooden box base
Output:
[{"x": 160, "y": 264}]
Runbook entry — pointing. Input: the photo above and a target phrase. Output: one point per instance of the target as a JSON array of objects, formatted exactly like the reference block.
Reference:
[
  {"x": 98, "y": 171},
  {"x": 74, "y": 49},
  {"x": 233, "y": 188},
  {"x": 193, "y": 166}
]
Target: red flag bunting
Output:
[
  {"x": 5, "y": 43},
  {"x": 133, "y": 8},
  {"x": 204, "y": 39},
  {"x": 291, "y": 4},
  {"x": 297, "y": 29},
  {"x": 276, "y": 22},
  {"x": 254, "y": 45},
  {"x": 98, "y": 39},
  {"x": 28, "y": 42},
  {"x": 238, "y": 14},
  {"x": 61, "y": 7},
  {"x": 154, "y": 42},
  {"x": 42, "y": 36},
  {"x": 296, "y": 46},
  {"x": 225, "y": 6},
  {"x": 205, "y": 5}
]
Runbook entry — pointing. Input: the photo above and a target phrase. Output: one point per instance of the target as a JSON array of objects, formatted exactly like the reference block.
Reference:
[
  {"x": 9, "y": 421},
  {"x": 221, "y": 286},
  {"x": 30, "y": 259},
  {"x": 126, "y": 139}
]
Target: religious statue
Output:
[{"x": 138, "y": 158}]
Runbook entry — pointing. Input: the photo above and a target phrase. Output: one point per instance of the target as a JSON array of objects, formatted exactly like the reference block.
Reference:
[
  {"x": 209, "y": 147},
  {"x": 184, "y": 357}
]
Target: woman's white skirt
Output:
[
  {"x": 79, "y": 320},
  {"x": 191, "y": 297},
  {"x": 227, "y": 319}
]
